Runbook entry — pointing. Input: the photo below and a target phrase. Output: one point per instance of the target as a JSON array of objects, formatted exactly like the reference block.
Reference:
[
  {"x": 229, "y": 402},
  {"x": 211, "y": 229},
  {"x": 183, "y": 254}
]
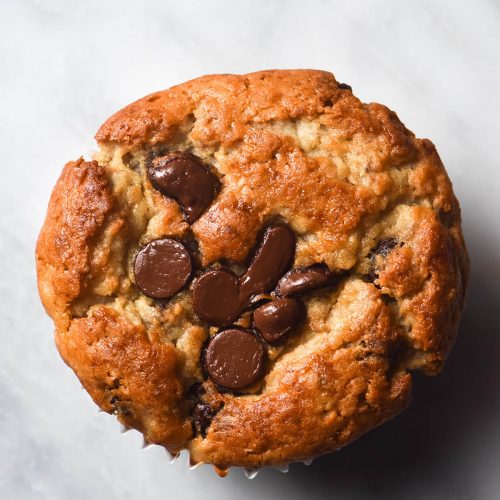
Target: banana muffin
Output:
[{"x": 251, "y": 267}]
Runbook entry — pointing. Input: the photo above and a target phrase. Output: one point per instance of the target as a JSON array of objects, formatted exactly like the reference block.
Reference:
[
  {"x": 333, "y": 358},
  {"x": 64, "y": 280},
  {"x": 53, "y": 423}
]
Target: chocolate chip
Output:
[
  {"x": 272, "y": 259},
  {"x": 201, "y": 417},
  {"x": 279, "y": 318},
  {"x": 383, "y": 247},
  {"x": 345, "y": 86},
  {"x": 183, "y": 176},
  {"x": 219, "y": 297},
  {"x": 304, "y": 280},
  {"x": 235, "y": 359},
  {"x": 162, "y": 268},
  {"x": 215, "y": 297},
  {"x": 196, "y": 391}
]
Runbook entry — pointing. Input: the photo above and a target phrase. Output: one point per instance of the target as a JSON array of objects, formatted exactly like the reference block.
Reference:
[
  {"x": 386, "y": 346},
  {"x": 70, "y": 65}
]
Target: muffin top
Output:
[{"x": 251, "y": 266}]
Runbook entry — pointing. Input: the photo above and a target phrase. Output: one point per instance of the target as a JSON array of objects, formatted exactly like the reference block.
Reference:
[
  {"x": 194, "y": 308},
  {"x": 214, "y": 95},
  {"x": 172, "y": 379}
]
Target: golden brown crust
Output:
[
  {"x": 76, "y": 212},
  {"x": 128, "y": 374},
  {"x": 288, "y": 145},
  {"x": 221, "y": 104}
]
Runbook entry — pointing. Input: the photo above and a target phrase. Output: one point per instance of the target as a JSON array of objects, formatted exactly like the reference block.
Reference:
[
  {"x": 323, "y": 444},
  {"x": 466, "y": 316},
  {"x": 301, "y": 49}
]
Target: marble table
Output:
[{"x": 65, "y": 66}]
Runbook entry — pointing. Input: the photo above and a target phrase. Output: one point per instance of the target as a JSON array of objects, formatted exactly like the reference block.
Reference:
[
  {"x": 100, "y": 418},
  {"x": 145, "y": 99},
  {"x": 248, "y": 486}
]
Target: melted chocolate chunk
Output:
[
  {"x": 235, "y": 359},
  {"x": 162, "y": 268},
  {"x": 304, "y": 280},
  {"x": 219, "y": 297},
  {"x": 272, "y": 259},
  {"x": 384, "y": 247},
  {"x": 215, "y": 297},
  {"x": 278, "y": 319},
  {"x": 196, "y": 391},
  {"x": 345, "y": 86},
  {"x": 183, "y": 176},
  {"x": 201, "y": 417}
]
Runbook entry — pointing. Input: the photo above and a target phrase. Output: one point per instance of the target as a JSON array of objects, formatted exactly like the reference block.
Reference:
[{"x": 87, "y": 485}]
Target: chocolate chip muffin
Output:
[{"x": 251, "y": 266}]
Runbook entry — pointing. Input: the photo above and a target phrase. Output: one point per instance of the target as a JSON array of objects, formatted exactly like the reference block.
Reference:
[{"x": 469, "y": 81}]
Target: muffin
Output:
[{"x": 251, "y": 267}]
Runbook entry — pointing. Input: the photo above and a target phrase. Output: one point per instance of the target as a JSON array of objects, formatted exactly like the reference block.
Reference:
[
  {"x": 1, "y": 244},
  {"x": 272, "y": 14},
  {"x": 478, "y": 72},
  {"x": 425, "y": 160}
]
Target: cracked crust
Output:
[{"x": 287, "y": 145}]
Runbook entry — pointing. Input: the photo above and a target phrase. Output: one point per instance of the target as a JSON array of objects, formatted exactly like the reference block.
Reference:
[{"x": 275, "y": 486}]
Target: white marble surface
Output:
[{"x": 66, "y": 65}]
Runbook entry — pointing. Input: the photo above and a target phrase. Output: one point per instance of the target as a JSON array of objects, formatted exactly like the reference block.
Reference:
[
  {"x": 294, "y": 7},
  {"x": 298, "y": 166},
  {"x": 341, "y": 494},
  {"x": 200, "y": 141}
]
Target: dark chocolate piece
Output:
[
  {"x": 215, "y": 297},
  {"x": 235, "y": 359},
  {"x": 162, "y": 268},
  {"x": 185, "y": 178},
  {"x": 279, "y": 318},
  {"x": 382, "y": 248},
  {"x": 385, "y": 246},
  {"x": 219, "y": 297},
  {"x": 201, "y": 417},
  {"x": 273, "y": 258},
  {"x": 304, "y": 280},
  {"x": 345, "y": 86}
]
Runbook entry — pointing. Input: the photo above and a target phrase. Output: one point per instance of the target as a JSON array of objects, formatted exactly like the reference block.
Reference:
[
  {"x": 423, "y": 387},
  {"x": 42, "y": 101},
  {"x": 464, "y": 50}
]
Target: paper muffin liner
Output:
[{"x": 250, "y": 473}]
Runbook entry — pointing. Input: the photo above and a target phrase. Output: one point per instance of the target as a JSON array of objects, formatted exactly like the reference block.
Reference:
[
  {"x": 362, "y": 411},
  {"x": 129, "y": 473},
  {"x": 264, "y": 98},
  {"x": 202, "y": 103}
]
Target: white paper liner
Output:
[
  {"x": 146, "y": 445},
  {"x": 282, "y": 468},
  {"x": 124, "y": 428},
  {"x": 249, "y": 472}
]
